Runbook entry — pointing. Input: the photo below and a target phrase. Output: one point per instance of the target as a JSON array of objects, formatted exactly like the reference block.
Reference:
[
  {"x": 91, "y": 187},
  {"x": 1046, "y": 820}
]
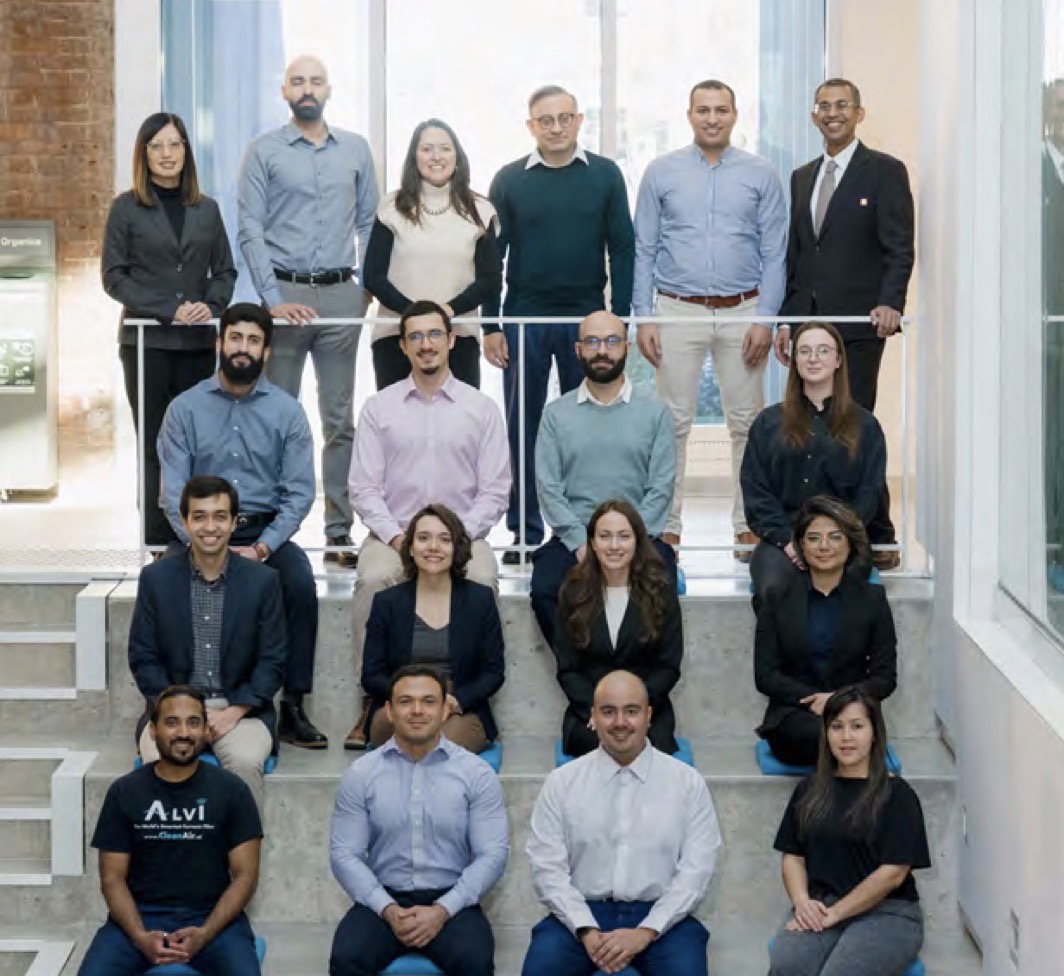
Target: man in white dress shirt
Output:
[{"x": 622, "y": 844}]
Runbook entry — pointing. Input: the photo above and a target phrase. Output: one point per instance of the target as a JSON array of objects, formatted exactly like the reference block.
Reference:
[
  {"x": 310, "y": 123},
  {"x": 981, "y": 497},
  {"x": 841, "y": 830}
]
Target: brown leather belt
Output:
[{"x": 714, "y": 301}]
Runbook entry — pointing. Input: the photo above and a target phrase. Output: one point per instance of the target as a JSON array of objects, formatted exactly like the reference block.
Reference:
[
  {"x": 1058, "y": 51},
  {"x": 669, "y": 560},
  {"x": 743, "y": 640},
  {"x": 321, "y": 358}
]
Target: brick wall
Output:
[{"x": 57, "y": 121}]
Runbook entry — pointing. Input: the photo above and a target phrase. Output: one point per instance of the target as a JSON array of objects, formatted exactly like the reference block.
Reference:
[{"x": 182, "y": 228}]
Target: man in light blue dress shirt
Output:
[
  {"x": 419, "y": 836},
  {"x": 711, "y": 241},
  {"x": 306, "y": 191}
]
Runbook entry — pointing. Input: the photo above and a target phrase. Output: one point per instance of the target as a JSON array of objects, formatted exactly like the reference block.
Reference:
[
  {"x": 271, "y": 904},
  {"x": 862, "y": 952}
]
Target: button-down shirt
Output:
[
  {"x": 411, "y": 826},
  {"x": 411, "y": 450},
  {"x": 624, "y": 395},
  {"x": 536, "y": 159},
  {"x": 261, "y": 444},
  {"x": 642, "y": 832},
  {"x": 710, "y": 229},
  {"x": 301, "y": 205},
  {"x": 822, "y": 621},
  {"x": 207, "y": 598},
  {"x": 842, "y": 160}
]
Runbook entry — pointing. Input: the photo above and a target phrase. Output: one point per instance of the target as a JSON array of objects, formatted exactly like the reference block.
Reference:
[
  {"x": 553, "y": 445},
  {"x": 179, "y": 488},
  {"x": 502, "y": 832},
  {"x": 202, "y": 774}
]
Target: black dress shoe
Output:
[
  {"x": 297, "y": 730},
  {"x": 347, "y": 559},
  {"x": 512, "y": 557}
]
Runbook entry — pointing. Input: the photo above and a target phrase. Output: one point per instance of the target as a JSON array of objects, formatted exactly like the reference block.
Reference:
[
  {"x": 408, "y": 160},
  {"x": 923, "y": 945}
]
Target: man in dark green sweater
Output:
[{"x": 562, "y": 211}]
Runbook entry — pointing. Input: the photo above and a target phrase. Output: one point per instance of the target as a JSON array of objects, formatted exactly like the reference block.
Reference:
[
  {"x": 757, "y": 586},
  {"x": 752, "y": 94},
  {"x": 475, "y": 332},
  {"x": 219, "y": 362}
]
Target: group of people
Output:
[{"x": 430, "y": 471}]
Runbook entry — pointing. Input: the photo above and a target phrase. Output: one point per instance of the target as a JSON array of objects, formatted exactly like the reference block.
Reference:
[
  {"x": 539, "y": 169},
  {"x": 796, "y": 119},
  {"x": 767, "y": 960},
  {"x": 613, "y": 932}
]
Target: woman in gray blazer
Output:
[{"x": 165, "y": 257}]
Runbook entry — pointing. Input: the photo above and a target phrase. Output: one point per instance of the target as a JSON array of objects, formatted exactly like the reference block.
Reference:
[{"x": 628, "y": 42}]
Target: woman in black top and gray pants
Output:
[{"x": 165, "y": 257}]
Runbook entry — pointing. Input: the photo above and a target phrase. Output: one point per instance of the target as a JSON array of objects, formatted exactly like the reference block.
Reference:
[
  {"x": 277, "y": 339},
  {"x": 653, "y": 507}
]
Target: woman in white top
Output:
[{"x": 433, "y": 238}]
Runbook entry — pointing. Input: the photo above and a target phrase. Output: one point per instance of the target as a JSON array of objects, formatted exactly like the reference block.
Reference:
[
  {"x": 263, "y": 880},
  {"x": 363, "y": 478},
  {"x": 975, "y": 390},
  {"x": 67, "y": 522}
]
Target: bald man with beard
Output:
[{"x": 306, "y": 192}]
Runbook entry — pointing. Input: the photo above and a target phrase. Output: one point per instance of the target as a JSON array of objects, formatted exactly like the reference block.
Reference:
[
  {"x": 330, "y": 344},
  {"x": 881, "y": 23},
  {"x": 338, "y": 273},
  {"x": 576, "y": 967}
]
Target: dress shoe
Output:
[
  {"x": 356, "y": 738},
  {"x": 347, "y": 559},
  {"x": 512, "y": 557},
  {"x": 884, "y": 560},
  {"x": 296, "y": 729},
  {"x": 671, "y": 539},
  {"x": 746, "y": 538}
]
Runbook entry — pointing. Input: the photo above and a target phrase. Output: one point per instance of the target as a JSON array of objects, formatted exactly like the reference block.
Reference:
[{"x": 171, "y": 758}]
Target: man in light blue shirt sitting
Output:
[
  {"x": 711, "y": 240},
  {"x": 419, "y": 836}
]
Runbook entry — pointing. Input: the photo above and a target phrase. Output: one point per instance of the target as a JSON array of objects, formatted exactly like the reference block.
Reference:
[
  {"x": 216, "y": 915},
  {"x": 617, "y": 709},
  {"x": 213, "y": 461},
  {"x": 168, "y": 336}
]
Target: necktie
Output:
[{"x": 827, "y": 191}]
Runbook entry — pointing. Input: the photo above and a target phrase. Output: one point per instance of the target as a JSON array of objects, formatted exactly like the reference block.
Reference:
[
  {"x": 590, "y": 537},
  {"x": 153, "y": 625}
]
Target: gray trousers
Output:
[
  {"x": 333, "y": 349},
  {"x": 882, "y": 942}
]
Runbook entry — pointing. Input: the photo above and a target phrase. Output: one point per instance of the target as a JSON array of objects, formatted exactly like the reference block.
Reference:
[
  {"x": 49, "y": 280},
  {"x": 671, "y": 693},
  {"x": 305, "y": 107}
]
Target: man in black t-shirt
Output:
[{"x": 179, "y": 856}]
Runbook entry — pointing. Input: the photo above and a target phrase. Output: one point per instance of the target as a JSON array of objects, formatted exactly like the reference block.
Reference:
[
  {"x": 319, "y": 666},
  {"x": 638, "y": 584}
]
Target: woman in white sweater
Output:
[{"x": 433, "y": 238}]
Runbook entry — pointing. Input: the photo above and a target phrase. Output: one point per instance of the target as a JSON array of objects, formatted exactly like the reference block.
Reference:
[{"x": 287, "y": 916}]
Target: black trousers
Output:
[
  {"x": 364, "y": 943},
  {"x": 770, "y": 571},
  {"x": 796, "y": 740},
  {"x": 167, "y": 374},
  {"x": 390, "y": 364}
]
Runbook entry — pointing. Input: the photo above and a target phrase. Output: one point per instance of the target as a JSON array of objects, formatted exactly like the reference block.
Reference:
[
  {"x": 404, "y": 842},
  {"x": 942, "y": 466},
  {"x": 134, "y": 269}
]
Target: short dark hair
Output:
[
  {"x": 549, "y": 91},
  {"x": 247, "y": 312},
  {"x": 207, "y": 486},
  {"x": 417, "y": 671},
  {"x": 176, "y": 691},
  {"x": 463, "y": 545},
  {"x": 851, "y": 526},
  {"x": 423, "y": 306},
  {"x": 712, "y": 84},
  {"x": 855, "y": 92}
]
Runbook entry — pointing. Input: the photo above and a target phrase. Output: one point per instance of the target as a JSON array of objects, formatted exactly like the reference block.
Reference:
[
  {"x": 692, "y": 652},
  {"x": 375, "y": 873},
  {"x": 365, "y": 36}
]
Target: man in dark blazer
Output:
[
  {"x": 211, "y": 619},
  {"x": 850, "y": 252}
]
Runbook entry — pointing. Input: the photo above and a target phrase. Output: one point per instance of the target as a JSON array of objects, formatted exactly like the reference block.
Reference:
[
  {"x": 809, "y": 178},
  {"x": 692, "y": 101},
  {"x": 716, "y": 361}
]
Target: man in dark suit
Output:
[
  {"x": 212, "y": 619},
  {"x": 850, "y": 251}
]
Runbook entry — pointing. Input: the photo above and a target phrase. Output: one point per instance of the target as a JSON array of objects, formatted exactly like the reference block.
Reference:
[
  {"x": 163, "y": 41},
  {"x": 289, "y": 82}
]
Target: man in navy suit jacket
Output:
[{"x": 214, "y": 620}]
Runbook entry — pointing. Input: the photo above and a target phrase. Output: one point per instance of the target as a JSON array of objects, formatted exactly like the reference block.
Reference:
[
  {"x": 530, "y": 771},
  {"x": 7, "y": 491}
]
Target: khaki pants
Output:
[
  {"x": 683, "y": 351},
  {"x": 243, "y": 751}
]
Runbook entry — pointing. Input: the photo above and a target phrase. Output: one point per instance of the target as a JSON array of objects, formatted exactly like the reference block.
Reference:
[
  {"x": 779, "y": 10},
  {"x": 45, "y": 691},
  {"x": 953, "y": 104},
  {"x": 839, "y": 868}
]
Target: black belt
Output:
[
  {"x": 254, "y": 520},
  {"x": 334, "y": 277}
]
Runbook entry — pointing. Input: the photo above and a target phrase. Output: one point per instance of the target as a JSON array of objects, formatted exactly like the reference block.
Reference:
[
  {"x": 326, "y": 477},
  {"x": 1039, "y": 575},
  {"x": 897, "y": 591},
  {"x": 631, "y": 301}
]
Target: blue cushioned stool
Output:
[
  {"x": 683, "y": 753},
  {"x": 681, "y": 581},
  {"x": 916, "y": 969},
  {"x": 412, "y": 964},
  {"x": 180, "y": 969},
  {"x": 771, "y": 766},
  {"x": 210, "y": 758}
]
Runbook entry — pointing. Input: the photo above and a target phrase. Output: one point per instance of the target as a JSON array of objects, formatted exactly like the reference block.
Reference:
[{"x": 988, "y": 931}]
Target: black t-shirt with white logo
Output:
[{"x": 178, "y": 835}]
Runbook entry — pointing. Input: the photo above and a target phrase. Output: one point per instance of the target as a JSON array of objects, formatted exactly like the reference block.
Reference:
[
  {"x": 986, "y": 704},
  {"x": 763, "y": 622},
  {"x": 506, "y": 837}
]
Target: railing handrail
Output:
[{"x": 569, "y": 319}]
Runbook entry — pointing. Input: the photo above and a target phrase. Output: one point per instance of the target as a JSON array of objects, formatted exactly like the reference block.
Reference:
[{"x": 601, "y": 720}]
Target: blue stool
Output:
[
  {"x": 771, "y": 766},
  {"x": 683, "y": 753},
  {"x": 180, "y": 969},
  {"x": 412, "y": 964},
  {"x": 916, "y": 969},
  {"x": 211, "y": 759},
  {"x": 681, "y": 581},
  {"x": 873, "y": 577}
]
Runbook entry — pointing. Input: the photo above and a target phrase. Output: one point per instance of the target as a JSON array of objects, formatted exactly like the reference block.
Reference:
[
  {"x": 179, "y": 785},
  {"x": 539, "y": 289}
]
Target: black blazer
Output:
[
  {"x": 150, "y": 272},
  {"x": 864, "y": 255},
  {"x": 254, "y": 644},
  {"x": 658, "y": 664},
  {"x": 865, "y": 647},
  {"x": 474, "y": 638}
]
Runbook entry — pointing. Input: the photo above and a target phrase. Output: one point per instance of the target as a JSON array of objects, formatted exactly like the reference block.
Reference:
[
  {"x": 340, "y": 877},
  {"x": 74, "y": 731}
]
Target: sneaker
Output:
[{"x": 347, "y": 559}]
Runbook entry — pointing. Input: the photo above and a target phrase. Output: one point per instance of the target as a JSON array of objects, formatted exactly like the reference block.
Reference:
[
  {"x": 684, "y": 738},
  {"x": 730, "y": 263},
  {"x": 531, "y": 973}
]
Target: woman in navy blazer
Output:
[
  {"x": 165, "y": 257},
  {"x": 437, "y": 617},
  {"x": 827, "y": 629},
  {"x": 618, "y": 609}
]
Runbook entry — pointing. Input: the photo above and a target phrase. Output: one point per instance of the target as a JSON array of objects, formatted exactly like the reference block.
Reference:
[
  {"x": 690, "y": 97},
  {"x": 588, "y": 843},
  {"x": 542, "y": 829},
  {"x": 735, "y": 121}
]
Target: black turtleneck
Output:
[{"x": 173, "y": 206}]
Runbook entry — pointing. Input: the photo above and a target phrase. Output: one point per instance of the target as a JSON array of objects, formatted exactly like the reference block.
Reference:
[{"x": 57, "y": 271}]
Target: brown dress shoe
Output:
[
  {"x": 746, "y": 538},
  {"x": 348, "y": 558},
  {"x": 891, "y": 559},
  {"x": 671, "y": 539},
  {"x": 356, "y": 738}
]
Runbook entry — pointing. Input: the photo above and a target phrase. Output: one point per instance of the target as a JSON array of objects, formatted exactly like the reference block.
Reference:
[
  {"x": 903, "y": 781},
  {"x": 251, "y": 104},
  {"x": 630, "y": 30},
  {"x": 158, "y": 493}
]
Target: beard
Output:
[
  {"x": 167, "y": 752},
  {"x": 241, "y": 375},
  {"x": 602, "y": 370},
  {"x": 308, "y": 109}
]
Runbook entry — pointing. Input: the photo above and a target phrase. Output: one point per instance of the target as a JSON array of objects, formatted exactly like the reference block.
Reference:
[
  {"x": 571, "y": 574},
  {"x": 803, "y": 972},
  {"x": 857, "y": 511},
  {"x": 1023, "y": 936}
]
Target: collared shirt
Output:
[
  {"x": 411, "y": 450},
  {"x": 301, "y": 205},
  {"x": 410, "y": 826},
  {"x": 643, "y": 832},
  {"x": 207, "y": 598},
  {"x": 842, "y": 160},
  {"x": 703, "y": 229},
  {"x": 584, "y": 394},
  {"x": 535, "y": 159},
  {"x": 261, "y": 444},
  {"x": 822, "y": 623}
]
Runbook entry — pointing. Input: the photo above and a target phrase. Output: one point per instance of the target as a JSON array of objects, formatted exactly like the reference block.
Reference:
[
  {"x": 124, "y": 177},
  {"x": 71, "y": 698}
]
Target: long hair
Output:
[
  {"x": 844, "y": 421},
  {"x": 817, "y": 801},
  {"x": 408, "y": 197},
  {"x": 824, "y": 506},
  {"x": 463, "y": 547},
  {"x": 648, "y": 581},
  {"x": 149, "y": 129}
]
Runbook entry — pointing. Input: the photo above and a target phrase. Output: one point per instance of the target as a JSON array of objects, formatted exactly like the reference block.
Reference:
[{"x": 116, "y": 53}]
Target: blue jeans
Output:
[
  {"x": 679, "y": 952},
  {"x": 230, "y": 953}
]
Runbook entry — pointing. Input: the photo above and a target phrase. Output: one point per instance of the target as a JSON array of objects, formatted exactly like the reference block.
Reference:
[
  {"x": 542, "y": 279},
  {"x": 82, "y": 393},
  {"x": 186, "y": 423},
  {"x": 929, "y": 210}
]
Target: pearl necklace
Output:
[{"x": 425, "y": 208}]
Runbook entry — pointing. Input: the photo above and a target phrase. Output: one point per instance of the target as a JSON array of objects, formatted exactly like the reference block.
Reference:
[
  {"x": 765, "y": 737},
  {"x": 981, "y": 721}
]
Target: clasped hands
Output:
[
  {"x": 416, "y": 926},
  {"x": 811, "y": 915},
  {"x": 163, "y": 948},
  {"x": 613, "y": 951}
]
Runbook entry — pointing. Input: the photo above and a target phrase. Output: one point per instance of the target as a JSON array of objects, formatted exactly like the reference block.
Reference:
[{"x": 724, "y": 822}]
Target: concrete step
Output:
[
  {"x": 28, "y": 956},
  {"x": 26, "y": 780},
  {"x": 26, "y": 839},
  {"x": 66, "y": 713},
  {"x": 24, "y": 873},
  {"x": 40, "y": 606},
  {"x": 42, "y": 659}
]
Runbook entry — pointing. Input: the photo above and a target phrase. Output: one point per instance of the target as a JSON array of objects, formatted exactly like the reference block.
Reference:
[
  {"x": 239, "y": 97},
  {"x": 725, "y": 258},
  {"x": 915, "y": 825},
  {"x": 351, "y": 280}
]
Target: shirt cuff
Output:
[
  {"x": 272, "y": 296},
  {"x": 379, "y": 899},
  {"x": 271, "y": 539},
  {"x": 656, "y": 920},
  {"x": 452, "y": 902},
  {"x": 581, "y": 919},
  {"x": 574, "y": 538}
]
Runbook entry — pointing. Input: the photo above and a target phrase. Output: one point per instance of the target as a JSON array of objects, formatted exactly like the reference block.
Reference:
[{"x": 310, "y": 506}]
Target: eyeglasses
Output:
[
  {"x": 832, "y": 538},
  {"x": 821, "y": 352},
  {"x": 842, "y": 105},
  {"x": 565, "y": 120},
  {"x": 433, "y": 335},
  {"x": 594, "y": 343},
  {"x": 158, "y": 147}
]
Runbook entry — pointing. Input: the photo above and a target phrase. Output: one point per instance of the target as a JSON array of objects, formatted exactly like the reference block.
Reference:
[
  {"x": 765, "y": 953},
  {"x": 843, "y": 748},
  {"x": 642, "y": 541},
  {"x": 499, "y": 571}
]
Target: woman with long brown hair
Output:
[
  {"x": 618, "y": 609},
  {"x": 817, "y": 441}
]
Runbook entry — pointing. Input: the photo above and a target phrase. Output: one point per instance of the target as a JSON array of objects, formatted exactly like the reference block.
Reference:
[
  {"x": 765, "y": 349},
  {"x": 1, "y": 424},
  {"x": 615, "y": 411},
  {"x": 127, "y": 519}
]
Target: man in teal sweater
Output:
[
  {"x": 602, "y": 440},
  {"x": 561, "y": 210}
]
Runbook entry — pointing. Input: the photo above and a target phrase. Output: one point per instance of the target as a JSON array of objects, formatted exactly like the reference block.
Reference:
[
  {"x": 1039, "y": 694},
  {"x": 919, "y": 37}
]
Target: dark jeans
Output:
[
  {"x": 551, "y": 562},
  {"x": 230, "y": 953},
  {"x": 555, "y": 951},
  {"x": 770, "y": 571},
  {"x": 542, "y": 344},
  {"x": 796, "y": 740},
  {"x": 364, "y": 943},
  {"x": 167, "y": 374},
  {"x": 390, "y": 364}
]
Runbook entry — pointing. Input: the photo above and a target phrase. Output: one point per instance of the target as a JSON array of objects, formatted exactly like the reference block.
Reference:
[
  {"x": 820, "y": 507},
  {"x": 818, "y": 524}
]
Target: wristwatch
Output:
[{"x": 262, "y": 551}]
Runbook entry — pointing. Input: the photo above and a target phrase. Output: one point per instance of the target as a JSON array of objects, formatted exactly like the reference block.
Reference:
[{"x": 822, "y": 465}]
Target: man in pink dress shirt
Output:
[{"x": 428, "y": 438}]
